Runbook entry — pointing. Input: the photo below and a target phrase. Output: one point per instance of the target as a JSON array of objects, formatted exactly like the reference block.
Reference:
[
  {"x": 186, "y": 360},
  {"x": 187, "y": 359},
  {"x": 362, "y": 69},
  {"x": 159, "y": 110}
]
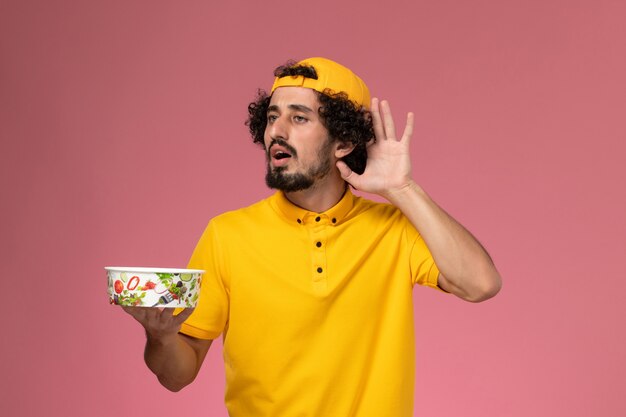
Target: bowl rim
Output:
[{"x": 151, "y": 270}]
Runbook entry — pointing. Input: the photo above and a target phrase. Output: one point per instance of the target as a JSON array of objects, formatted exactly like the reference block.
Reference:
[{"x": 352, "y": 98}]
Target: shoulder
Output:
[
  {"x": 371, "y": 217},
  {"x": 252, "y": 213},
  {"x": 364, "y": 207}
]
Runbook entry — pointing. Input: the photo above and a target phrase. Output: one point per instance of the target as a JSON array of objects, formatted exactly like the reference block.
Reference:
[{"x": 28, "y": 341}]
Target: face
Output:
[{"x": 299, "y": 150}]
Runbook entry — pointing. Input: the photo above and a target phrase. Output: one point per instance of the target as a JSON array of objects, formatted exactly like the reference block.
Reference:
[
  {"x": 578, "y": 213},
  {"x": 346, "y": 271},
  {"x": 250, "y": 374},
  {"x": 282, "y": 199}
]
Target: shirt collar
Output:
[{"x": 333, "y": 216}]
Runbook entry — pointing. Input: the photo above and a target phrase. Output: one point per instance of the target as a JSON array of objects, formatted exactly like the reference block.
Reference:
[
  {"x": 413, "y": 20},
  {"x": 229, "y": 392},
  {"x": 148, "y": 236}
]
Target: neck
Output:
[{"x": 323, "y": 195}]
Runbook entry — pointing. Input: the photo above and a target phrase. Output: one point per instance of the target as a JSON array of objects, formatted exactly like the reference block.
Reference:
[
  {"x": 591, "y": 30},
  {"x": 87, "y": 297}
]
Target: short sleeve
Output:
[
  {"x": 424, "y": 271},
  {"x": 210, "y": 317}
]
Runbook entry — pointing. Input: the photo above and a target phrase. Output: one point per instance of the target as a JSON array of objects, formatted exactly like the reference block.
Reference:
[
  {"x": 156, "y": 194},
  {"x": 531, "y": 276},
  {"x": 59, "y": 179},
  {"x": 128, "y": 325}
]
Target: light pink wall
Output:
[{"x": 122, "y": 133}]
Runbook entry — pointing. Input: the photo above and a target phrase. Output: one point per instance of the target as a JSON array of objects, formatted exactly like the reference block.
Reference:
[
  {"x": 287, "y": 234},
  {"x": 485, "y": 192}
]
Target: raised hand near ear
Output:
[{"x": 388, "y": 167}]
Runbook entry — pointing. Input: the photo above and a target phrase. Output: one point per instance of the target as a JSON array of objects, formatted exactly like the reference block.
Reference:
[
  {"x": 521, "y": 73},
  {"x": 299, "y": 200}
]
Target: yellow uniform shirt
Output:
[{"x": 315, "y": 308}]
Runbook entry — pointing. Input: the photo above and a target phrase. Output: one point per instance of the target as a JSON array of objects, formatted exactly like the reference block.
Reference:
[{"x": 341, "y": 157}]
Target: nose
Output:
[{"x": 277, "y": 129}]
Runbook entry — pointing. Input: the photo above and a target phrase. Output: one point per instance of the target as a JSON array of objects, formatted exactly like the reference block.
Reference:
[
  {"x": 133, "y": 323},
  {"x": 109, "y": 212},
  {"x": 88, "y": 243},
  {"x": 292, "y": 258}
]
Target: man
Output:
[{"x": 311, "y": 288}]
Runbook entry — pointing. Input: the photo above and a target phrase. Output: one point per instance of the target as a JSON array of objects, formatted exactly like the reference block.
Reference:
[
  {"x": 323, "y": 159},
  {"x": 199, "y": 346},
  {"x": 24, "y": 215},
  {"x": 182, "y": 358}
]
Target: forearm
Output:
[
  {"x": 467, "y": 269},
  {"x": 172, "y": 360}
]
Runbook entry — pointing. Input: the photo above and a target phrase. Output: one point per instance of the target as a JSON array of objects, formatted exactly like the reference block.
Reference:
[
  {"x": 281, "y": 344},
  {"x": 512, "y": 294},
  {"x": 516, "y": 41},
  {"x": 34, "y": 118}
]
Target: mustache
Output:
[{"x": 282, "y": 143}]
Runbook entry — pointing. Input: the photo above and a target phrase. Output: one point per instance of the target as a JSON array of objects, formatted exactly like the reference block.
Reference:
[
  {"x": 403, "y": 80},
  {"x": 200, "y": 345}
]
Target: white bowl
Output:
[{"x": 153, "y": 287}]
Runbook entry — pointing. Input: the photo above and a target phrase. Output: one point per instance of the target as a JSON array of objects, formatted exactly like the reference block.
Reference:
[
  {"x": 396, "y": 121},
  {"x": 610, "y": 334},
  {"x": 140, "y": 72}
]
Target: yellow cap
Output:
[{"x": 331, "y": 77}]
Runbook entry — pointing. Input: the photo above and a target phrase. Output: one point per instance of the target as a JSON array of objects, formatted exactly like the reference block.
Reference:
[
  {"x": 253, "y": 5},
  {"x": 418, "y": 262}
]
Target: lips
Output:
[{"x": 280, "y": 154}]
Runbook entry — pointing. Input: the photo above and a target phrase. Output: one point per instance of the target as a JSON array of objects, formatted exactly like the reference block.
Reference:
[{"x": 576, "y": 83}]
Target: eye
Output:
[
  {"x": 300, "y": 119},
  {"x": 271, "y": 118}
]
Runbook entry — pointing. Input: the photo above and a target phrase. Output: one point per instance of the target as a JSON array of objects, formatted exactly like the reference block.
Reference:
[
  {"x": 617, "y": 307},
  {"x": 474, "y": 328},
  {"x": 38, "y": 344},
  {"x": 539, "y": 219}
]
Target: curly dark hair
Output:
[{"x": 345, "y": 121}]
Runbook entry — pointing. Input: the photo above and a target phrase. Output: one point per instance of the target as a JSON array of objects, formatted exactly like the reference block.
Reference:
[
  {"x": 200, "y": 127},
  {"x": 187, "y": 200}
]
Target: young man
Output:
[{"x": 311, "y": 289}]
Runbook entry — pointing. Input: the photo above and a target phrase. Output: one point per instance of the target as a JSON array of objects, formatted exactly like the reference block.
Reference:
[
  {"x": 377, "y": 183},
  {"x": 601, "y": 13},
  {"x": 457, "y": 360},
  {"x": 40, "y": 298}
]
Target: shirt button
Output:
[
  {"x": 318, "y": 244},
  {"x": 318, "y": 218},
  {"x": 319, "y": 270}
]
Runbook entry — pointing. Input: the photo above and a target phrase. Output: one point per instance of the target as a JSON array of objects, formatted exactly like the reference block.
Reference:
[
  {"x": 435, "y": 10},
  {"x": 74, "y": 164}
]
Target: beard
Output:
[{"x": 278, "y": 179}]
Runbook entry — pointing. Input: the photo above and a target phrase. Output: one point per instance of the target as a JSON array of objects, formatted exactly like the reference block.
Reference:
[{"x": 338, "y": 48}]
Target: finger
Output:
[
  {"x": 167, "y": 312},
  {"x": 347, "y": 174},
  {"x": 377, "y": 123},
  {"x": 136, "y": 312},
  {"x": 408, "y": 130},
  {"x": 129, "y": 310},
  {"x": 183, "y": 315},
  {"x": 390, "y": 128}
]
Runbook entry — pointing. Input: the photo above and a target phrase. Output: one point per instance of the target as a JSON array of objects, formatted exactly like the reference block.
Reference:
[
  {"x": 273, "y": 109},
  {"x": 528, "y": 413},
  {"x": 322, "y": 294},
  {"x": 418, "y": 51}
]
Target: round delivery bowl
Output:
[{"x": 153, "y": 287}]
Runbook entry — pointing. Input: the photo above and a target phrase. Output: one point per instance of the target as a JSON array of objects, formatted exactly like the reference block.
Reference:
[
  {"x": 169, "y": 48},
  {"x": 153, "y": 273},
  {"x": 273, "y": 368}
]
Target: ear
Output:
[{"x": 343, "y": 149}]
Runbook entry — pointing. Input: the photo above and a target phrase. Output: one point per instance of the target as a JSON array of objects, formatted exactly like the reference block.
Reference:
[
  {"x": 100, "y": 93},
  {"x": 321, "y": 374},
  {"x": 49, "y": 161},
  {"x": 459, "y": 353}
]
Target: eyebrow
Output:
[{"x": 296, "y": 107}]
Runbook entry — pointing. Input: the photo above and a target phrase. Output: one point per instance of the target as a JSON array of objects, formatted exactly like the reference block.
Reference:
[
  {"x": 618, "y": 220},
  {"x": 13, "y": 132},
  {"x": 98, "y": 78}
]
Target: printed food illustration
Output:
[{"x": 154, "y": 289}]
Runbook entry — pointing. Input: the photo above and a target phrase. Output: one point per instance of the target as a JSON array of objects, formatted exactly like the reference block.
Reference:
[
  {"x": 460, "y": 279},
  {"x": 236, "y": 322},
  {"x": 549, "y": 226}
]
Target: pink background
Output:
[{"x": 122, "y": 133}]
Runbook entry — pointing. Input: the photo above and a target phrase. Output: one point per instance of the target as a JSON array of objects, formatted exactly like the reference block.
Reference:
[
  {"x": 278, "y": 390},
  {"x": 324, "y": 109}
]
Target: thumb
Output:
[
  {"x": 182, "y": 314},
  {"x": 347, "y": 174}
]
